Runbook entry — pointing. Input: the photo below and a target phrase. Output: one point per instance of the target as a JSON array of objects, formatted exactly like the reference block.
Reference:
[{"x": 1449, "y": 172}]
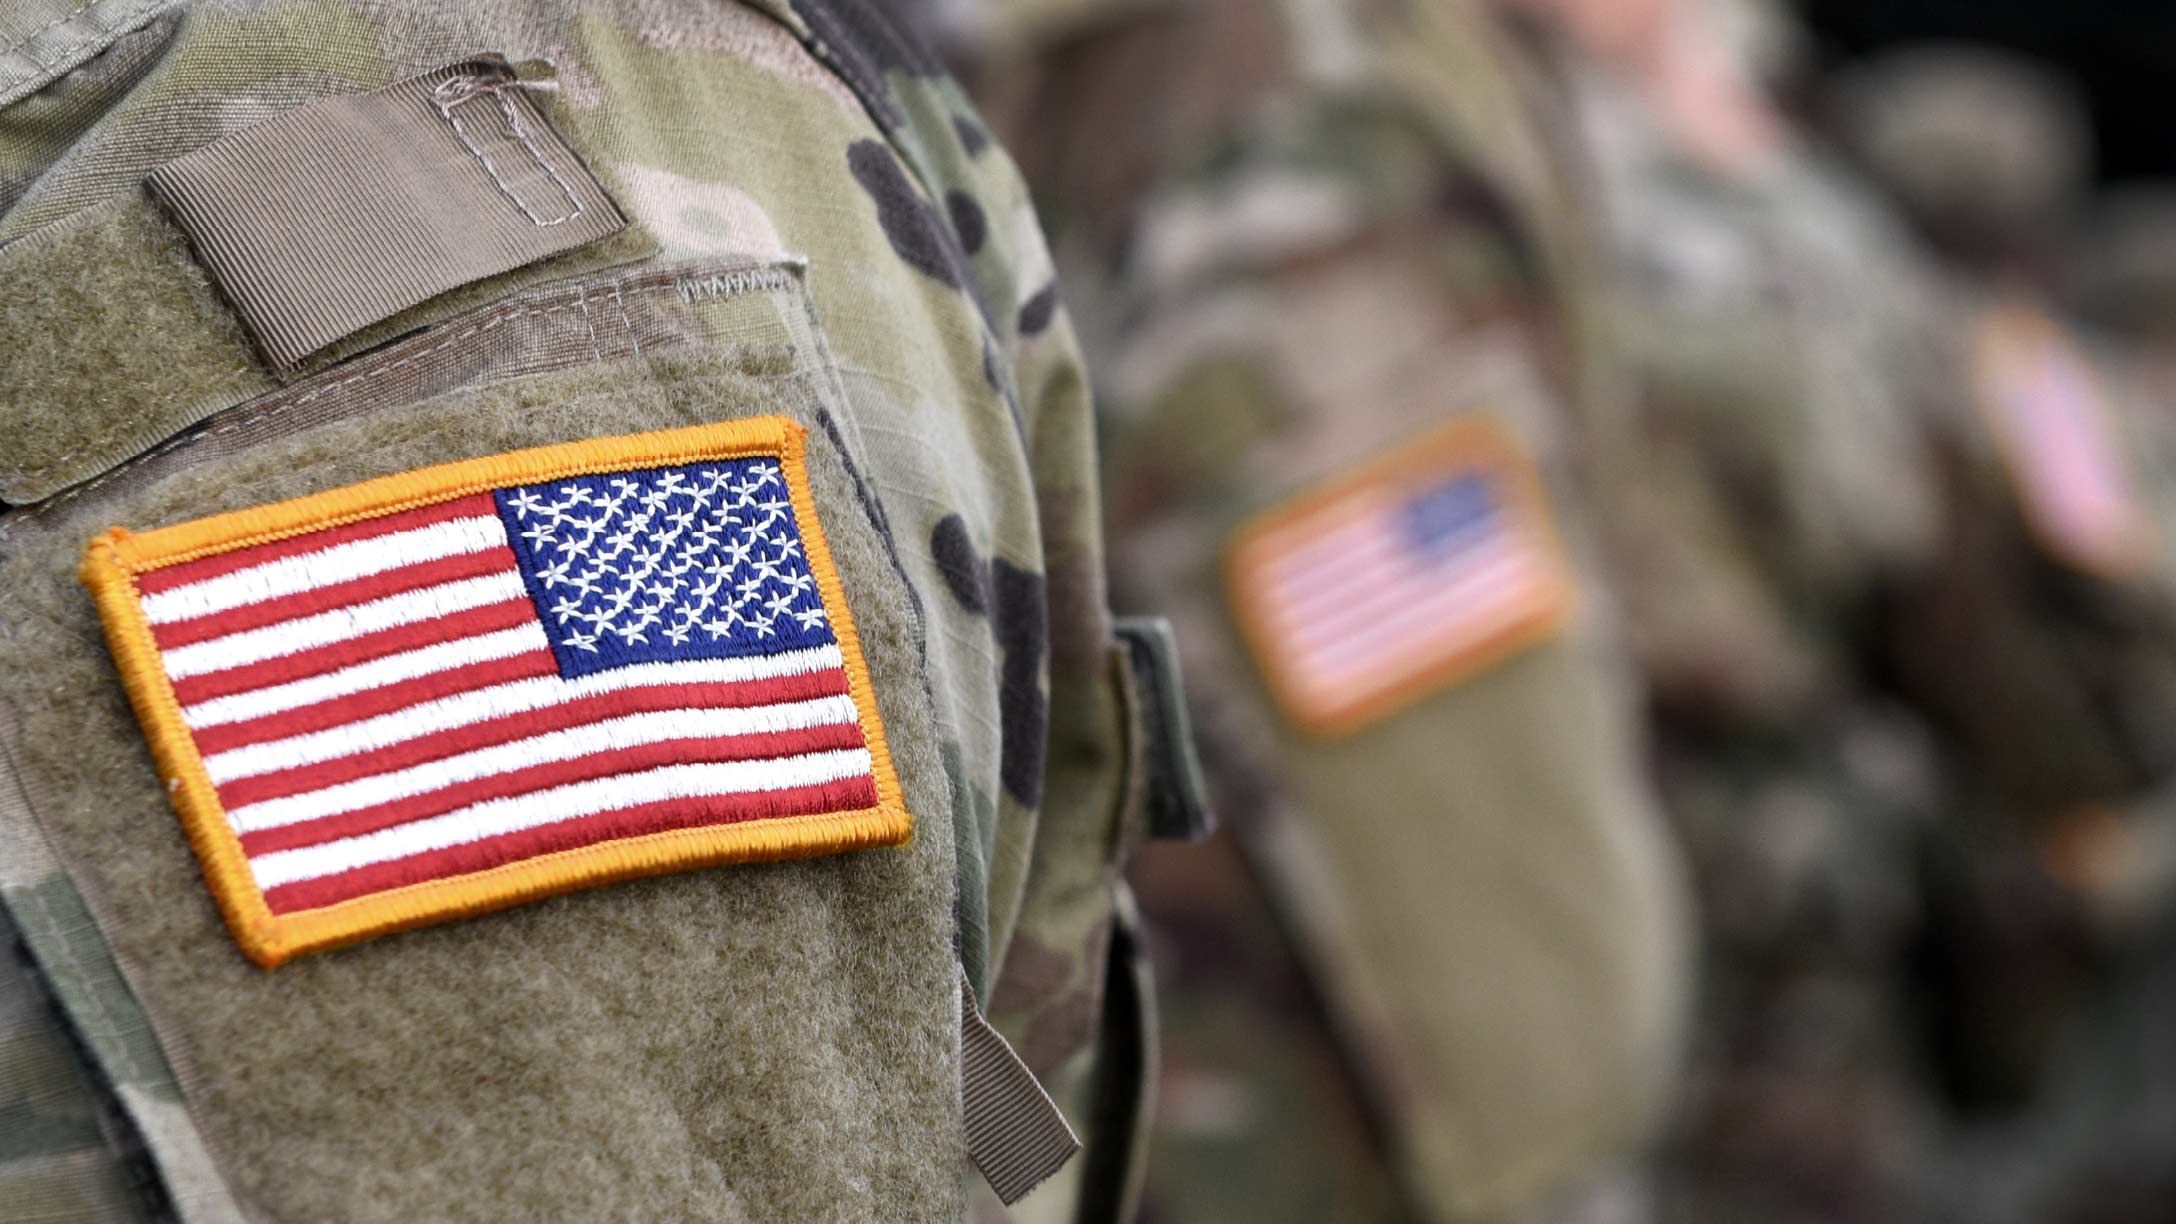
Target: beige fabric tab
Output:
[
  {"x": 334, "y": 216},
  {"x": 1016, "y": 1135}
]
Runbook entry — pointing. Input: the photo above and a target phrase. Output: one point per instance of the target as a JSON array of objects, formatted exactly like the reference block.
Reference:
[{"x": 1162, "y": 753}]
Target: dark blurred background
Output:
[{"x": 2121, "y": 54}]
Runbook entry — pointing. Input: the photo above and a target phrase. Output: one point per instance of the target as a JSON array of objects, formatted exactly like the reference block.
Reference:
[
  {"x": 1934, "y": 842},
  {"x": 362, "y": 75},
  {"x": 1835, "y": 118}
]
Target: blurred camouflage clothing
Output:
[
  {"x": 2121, "y": 270},
  {"x": 818, "y": 227},
  {"x": 1874, "y": 678},
  {"x": 1982, "y": 148},
  {"x": 1307, "y": 238},
  {"x": 2080, "y": 426}
]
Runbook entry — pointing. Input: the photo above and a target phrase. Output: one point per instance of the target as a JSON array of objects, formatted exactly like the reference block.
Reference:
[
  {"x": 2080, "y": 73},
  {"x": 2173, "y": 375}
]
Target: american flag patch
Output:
[
  {"x": 461, "y": 688},
  {"x": 2045, "y": 405},
  {"x": 1400, "y": 578}
]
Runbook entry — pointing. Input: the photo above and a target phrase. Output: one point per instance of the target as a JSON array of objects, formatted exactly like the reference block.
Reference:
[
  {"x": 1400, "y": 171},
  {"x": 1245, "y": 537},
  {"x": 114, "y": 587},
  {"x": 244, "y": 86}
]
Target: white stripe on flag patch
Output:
[
  {"x": 497, "y": 817},
  {"x": 1389, "y": 605},
  {"x": 1368, "y": 567},
  {"x": 1358, "y": 659},
  {"x": 362, "y": 677},
  {"x": 520, "y": 696},
  {"x": 626, "y": 731},
  {"x": 340, "y": 624},
  {"x": 337, "y": 564}
]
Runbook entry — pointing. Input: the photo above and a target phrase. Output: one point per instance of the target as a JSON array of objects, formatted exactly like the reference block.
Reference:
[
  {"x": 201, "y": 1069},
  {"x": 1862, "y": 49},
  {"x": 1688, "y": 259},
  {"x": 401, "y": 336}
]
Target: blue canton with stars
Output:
[
  {"x": 701, "y": 561},
  {"x": 1446, "y": 517}
]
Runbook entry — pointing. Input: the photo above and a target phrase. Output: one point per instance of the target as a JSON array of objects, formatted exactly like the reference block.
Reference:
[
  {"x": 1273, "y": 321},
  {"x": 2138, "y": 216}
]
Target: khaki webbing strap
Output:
[
  {"x": 344, "y": 212},
  {"x": 1016, "y": 1134}
]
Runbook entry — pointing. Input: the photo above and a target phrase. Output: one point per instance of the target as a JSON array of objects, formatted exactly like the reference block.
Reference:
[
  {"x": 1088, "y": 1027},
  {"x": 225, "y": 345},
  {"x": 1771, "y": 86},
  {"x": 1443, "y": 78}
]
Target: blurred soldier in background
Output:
[
  {"x": 1892, "y": 591},
  {"x": 1331, "y": 268},
  {"x": 1989, "y": 156},
  {"x": 1770, "y": 484}
]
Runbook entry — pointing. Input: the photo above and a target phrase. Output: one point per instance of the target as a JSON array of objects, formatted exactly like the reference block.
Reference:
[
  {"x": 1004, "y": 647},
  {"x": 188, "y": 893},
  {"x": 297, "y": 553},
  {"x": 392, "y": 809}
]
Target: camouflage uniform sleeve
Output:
[
  {"x": 819, "y": 229},
  {"x": 1040, "y": 852}
]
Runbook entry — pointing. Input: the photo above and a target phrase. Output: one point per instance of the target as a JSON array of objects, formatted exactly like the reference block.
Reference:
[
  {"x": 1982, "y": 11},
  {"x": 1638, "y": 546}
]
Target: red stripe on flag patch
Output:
[
  {"x": 488, "y": 733},
  {"x": 338, "y": 711},
  {"x": 661, "y": 817},
  {"x": 421, "y": 573},
  {"x": 556, "y": 773},
  {"x": 165, "y": 578},
  {"x": 303, "y": 664}
]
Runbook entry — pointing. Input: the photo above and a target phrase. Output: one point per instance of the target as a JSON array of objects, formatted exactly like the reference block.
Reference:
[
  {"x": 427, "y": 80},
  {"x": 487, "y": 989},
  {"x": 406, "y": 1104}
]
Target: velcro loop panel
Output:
[
  {"x": 112, "y": 338},
  {"x": 1016, "y": 1134},
  {"x": 342, "y": 213}
]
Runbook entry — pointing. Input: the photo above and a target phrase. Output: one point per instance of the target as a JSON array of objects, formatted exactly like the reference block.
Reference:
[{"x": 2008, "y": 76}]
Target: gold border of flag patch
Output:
[
  {"x": 1470, "y": 444},
  {"x": 113, "y": 561}
]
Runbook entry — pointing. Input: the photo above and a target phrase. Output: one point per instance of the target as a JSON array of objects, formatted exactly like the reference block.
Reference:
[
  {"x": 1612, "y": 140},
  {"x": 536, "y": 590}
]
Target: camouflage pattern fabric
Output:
[
  {"x": 814, "y": 139},
  {"x": 2057, "y": 1128},
  {"x": 1296, "y": 238}
]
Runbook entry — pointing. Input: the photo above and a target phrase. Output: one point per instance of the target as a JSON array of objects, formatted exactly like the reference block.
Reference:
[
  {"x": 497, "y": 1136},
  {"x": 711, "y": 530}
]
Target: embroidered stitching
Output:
[
  {"x": 316, "y": 861},
  {"x": 23, "y": 46},
  {"x": 687, "y": 289},
  {"x": 619, "y": 303},
  {"x": 450, "y": 94},
  {"x": 731, "y": 284}
]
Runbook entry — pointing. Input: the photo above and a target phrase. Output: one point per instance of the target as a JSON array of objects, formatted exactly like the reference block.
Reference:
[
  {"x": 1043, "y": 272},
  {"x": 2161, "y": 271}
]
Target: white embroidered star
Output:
[
  {"x": 810, "y": 617},
  {"x": 552, "y": 575}
]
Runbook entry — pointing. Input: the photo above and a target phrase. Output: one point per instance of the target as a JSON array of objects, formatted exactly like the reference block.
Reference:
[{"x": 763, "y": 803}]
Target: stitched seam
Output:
[
  {"x": 22, "y": 46},
  {"x": 731, "y": 284},
  {"x": 528, "y": 141},
  {"x": 762, "y": 280},
  {"x": 619, "y": 302},
  {"x": 105, "y": 439},
  {"x": 448, "y": 100},
  {"x": 582, "y": 300}
]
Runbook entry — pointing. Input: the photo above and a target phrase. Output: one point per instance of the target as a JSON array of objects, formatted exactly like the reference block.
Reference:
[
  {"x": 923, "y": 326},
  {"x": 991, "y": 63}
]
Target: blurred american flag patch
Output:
[
  {"x": 1399, "y": 578},
  {"x": 2049, "y": 412}
]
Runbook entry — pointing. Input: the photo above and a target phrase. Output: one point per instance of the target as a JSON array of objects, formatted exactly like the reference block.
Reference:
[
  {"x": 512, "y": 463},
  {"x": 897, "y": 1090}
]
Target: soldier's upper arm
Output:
[{"x": 588, "y": 572}]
